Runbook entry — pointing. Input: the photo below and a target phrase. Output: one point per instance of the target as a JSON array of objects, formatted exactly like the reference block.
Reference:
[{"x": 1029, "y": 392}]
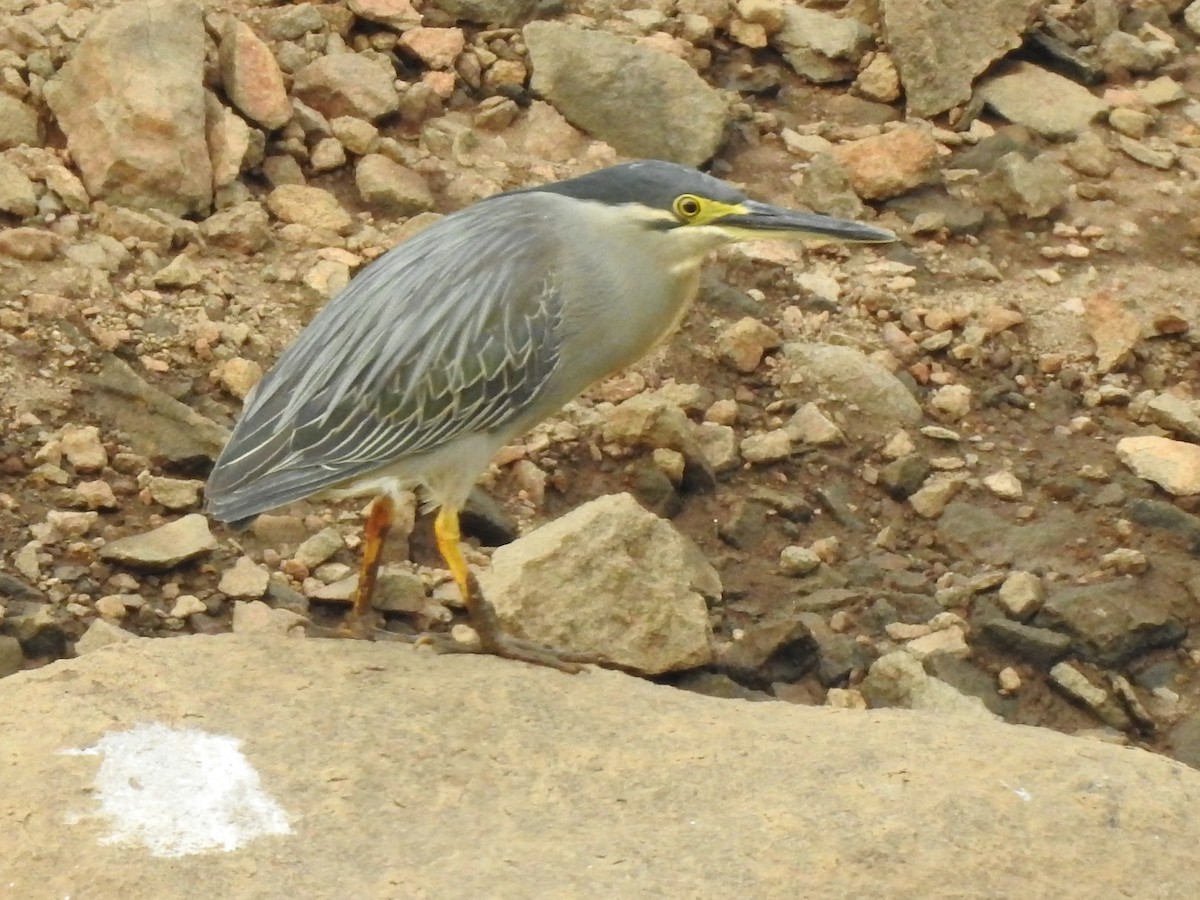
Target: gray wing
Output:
[{"x": 453, "y": 332}]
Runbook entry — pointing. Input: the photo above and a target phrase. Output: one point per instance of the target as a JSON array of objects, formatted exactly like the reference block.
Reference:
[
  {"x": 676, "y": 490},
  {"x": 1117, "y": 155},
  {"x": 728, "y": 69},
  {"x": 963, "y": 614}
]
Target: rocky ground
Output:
[
  {"x": 958, "y": 472},
  {"x": 372, "y": 770}
]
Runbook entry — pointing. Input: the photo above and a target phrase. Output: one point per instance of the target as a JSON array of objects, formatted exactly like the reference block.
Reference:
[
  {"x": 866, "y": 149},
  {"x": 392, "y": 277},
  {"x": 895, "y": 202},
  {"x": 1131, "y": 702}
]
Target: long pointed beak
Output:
[{"x": 772, "y": 221}]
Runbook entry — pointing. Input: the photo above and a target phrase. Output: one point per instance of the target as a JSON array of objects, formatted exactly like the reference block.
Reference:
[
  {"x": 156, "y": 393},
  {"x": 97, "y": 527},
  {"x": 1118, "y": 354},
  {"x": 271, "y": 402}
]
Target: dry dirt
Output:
[{"x": 1149, "y": 267}]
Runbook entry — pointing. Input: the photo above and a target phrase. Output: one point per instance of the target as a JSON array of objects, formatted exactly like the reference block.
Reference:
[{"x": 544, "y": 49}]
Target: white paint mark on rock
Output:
[
  {"x": 1019, "y": 791},
  {"x": 180, "y": 791}
]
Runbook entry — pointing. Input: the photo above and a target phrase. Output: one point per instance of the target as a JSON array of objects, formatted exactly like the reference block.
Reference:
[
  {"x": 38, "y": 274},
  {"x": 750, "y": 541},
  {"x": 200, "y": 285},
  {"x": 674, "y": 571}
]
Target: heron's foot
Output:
[
  {"x": 356, "y": 627},
  {"x": 512, "y": 648}
]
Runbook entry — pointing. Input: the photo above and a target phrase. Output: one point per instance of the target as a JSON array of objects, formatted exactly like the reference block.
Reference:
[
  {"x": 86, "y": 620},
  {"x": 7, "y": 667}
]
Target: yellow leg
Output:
[
  {"x": 483, "y": 617},
  {"x": 449, "y": 542},
  {"x": 379, "y": 523}
]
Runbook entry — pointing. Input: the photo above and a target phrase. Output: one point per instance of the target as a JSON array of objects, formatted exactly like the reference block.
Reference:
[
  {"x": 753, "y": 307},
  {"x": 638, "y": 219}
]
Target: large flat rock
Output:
[{"x": 373, "y": 770}]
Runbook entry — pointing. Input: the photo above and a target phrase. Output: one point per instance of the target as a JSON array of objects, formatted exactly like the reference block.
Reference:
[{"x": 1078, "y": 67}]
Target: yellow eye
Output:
[{"x": 687, "y": 206}]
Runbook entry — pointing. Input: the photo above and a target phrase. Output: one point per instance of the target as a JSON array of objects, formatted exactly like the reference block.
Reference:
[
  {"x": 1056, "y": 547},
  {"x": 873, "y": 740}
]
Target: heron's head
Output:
[{"x": 700, "y": 211}]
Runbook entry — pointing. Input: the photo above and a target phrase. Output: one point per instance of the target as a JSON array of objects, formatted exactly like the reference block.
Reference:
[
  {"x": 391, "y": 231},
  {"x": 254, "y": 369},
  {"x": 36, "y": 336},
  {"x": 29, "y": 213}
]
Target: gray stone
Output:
[
  {"x": 798, "y": 561},
  {"x": 977, "y": 532},
  {"x": 340, "y": 591},
  {"x": 19, "y": 124},
  {"x": 12, "y": 658},
  {"x": 1191, "y": 18},
  {"x": 1088, "y": 155},
  {"x": 777, "y": 648},
  {"x": 101, "y": 633},
  {"x": 123, "y": 224},
  {"x": 1121, "y": 50},
  {"x": 293, "y": 22},
  {"x": 255, "y": 617},
  {"x": 243, "y": 228},
  {"x": 931, "y": 500},
  {"x": 810, "y": 425},
  {"x": 642, "y": 101},
  {"x": 1117, "y": 621},
  {"x": 968, "y": 678},
  {"x": 130, "y": 100},
  {"x": 903, "y": 477},
  {"x": 1183, "y": 740},
  {"x": 1021, "y": 595},
  {"x": 839, "y": 656},
  {"x": 175, "y": 493},
  {"x": 608, "y": 579},
  {"x": 875, "y": 401},
  {"x": 12, "y": 588},
  {"x": 1167, "y": 516},
  {"x": 826, "y": 599},
  {"x": 283, "y": 597},
  {"x": 828, "y": 188},
  {"x": 348, "y": 84},
  {"x": 482, "y": 518},
  {"x": 1043, "y": 101},
  {"x": 1075, "y": 685},
  {"x": 1030, "y": 188},
  {"x": 940, "y": 46},
  {"x": 391, "y": 187},
  {"x": 650, "y": 421},
  {"x": 503, "y": 13},
  {"x": 401, "y": 591},
  {"x": 653, "y": 489},
  {"x": 356, "y": 135},
  {"x": 899, "y": 680},
  {"x": 766, "y": 447},
  {"x": 718, "y": 446},
  {"x": 1040, "y": 646},
  {"x": 41, "y": 628},
  {"x": 17, "y": 192},
  {"x": 746, "y": 526},
  {"x": 821, "y": 46},
  {"x": 180, "y": 272},
  {"x": 1175, "y": 414},
  {"x": 163, "y": 548},
  {"x": 279, "y": 170},
  {"x": 155, "y": 424},
  {"x": 246, "y": 580},
  {"x": 320, "y": 547},
  {"x": 1160, "y": 156}
]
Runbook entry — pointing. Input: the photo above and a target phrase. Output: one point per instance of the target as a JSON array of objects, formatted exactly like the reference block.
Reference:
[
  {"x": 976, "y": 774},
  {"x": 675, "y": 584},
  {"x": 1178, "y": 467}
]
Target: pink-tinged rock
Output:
[
  {"x": 1172, "y": 465},
  {"x": 252, "y": 78},
  {"x": 228, "y": 138},
  {"x": 1113, "y": 328},
  {"x": 29, "y": 243},
  {"x": 396, "y": 14},
  {"x": 131, "y": 103},
  {"x": 889, "y": 164},
  {"x": 438, "y": 48},
  {"x": 348, "y": 84}
]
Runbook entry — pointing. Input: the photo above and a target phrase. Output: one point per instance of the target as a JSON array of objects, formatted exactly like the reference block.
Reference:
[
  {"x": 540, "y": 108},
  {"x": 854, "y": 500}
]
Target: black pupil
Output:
[{"x": 689, "y": 207}]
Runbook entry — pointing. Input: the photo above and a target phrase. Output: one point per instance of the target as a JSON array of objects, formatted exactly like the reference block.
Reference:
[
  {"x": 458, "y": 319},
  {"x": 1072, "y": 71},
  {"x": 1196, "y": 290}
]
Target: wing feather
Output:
[{"x": 453, "y": 332}]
